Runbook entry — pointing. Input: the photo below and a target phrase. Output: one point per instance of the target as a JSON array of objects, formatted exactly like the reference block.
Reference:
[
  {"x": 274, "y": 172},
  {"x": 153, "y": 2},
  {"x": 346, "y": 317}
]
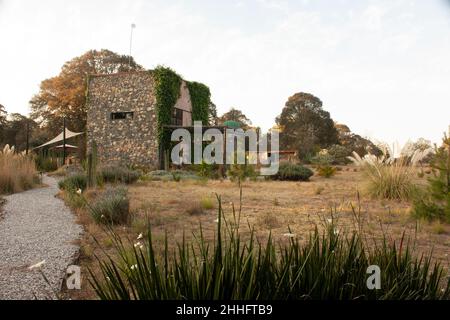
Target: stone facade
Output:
[{"x": 121, "y": 118}]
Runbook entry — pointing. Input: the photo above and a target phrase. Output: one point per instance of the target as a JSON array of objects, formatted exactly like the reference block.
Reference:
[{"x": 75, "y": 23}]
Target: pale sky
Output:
[{"x": 381, "y": 67}]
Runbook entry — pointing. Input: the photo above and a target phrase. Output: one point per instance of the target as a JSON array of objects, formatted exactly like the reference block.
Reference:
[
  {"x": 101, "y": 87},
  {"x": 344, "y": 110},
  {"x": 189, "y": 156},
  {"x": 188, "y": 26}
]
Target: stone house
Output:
[{"x": 121, "y": 118}]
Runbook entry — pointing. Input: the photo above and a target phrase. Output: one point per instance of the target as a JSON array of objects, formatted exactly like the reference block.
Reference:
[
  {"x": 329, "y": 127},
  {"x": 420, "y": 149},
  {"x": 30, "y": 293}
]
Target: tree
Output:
[
  {"x": 212, "y": 114},
  {"x": 305, "y": 126},
  {"x": 15, "y": 131},
  {"x": 355, "y": 143},
  {"x": 65, "y": 94},
  {"x": 237, "y": 116},
  {"x": 435, "y": 202},
  {"x": 3, "y": 115}
]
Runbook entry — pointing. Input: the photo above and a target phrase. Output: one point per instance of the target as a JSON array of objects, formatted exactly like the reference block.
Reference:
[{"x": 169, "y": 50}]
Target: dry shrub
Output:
[{"x": 17, "y": 171}]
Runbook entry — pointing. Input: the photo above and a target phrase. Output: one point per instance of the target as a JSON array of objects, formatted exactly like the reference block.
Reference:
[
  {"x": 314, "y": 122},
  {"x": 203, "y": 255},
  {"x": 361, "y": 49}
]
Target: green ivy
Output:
[
  {"x": 167, "y": 92},
  {"x": 200, "y": 99}
]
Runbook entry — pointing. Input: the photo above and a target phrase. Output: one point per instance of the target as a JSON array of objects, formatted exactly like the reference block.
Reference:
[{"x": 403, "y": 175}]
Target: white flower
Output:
[
  {"x": 134, "y": 266},
  {"x": 37, "y": 265},
  {"x": 289, "y": 235},
  {"x": 336, "y": 232},
  {"x": 216, "y": 221},
  {"x": 102, "y": 216},
  {"x": 137, "y": 244},
  {"x": 329, "y": 220},
  {"x": 79, "y": 191},
  {"x": 140, "y": 236}
]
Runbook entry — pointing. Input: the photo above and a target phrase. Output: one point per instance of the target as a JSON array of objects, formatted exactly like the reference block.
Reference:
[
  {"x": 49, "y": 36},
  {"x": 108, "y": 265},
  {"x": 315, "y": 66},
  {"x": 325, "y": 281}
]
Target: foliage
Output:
[
  {"x": 435, "y": 202},
  {"x": 339, "y": 154},
  {"x": 355, "y": 143},
  {"x": 236, "y": 116},
  {"x": 46, "y": 162},
  {"x": 207, "y": 170},
  {"x": 17, "y": 171},
  {"x": 326, "y": 171},
  {"x": 167, "y": 92},
  {"x": 64, "y": 94},
  {"x": 201, "y": 101},
  {"x": 162, "y": 175},
  {"x": 240, "y": 172},
  {"x": 322, "y": 158},
  {"x": 112, "y": 206},
  {"x": 118, "y": 174},
  {"x": 73, "y": 182},
  {"x": 293, "y": 172},
  {"x": 389, "y": 177},
  {"x": 213, "y": 119},
  {"x": 329, "y": 266},
  {"x": 305, "y": 126},
  {"x": 13, "y": 131}
]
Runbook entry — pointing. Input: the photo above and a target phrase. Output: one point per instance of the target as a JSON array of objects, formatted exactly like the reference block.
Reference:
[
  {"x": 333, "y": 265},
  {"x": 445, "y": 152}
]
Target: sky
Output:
[{"x": 381, "y": 67}]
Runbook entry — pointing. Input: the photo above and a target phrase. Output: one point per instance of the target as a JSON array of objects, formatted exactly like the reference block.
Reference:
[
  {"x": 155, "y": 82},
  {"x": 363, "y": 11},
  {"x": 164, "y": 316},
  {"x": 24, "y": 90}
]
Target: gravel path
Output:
[{"x": 36, "y": 226}]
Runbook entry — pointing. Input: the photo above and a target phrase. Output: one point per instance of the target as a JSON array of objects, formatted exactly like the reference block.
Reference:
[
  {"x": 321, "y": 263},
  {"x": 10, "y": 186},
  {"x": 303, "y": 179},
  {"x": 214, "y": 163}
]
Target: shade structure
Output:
[
  {"x": 60, "y": 138},
  {"x": 68, "y": 146}
]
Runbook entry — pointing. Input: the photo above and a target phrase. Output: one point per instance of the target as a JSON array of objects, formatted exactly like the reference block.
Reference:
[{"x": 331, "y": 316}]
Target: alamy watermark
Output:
[{"x": 231, "y": 146}]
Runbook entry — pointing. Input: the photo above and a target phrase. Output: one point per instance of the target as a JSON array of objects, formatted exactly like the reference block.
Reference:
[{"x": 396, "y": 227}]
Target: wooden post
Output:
[
  {"x": 64, "y": 141},
  {"x": 28, "y": 135}
]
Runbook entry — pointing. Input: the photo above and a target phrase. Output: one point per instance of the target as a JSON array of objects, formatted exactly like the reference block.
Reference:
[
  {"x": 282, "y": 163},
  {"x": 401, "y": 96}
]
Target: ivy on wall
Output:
[
  {"x": 167, "y": 92},
  {"x": 200, "y": 99}
]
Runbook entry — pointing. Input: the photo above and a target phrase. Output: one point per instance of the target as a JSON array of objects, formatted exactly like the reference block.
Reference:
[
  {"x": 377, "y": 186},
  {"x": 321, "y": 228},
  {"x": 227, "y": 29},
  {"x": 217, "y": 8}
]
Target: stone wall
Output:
[{"x": 123, "y": 141}]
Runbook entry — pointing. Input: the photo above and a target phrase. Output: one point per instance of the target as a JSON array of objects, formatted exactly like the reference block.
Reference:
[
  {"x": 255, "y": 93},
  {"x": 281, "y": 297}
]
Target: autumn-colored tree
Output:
[
  {"x": 237, "y": 116},
  {"x": 305, "y": 126},
  {"x": 65, "y": 94}
]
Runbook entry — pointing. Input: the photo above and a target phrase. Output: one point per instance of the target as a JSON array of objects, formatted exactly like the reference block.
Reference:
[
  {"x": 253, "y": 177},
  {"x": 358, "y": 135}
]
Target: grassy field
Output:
[{"x": 279, "y": 208}]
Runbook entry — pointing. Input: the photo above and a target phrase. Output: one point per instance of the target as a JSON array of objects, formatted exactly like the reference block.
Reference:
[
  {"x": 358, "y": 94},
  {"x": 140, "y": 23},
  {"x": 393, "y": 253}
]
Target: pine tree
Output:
[{"x": 435, "y": 204}]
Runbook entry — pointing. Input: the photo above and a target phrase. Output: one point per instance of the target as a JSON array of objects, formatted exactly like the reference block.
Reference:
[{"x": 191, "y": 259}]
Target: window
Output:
[
  {"x": 177, "y": 117},
  {"x": 121, "y": 115}
]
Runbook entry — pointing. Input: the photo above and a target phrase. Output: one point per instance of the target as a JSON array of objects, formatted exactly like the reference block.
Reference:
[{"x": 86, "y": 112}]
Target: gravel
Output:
[{"x": 36, "y": 226}]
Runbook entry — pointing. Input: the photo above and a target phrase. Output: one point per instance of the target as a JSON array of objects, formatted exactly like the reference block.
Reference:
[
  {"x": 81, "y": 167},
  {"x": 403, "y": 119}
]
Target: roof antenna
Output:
[{"x": 131, "y": 42}]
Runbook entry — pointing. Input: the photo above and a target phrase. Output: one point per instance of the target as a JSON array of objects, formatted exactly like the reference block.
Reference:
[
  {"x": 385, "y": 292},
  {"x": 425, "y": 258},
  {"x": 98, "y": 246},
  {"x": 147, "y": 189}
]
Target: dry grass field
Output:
[{"x": 279, "y": 208}]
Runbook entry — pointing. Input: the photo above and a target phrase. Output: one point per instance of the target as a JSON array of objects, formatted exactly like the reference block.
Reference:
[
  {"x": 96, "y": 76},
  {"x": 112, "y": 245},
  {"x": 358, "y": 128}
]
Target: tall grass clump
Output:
[
  {"x": 118, "y": 174},
  {"x": 17, "y": 171},
  {"x": 111, "y": 207},
  {"x": 328, "y": 265},
  {"x": 390, "y": 177},
  {"x": 73, "y": 182}
]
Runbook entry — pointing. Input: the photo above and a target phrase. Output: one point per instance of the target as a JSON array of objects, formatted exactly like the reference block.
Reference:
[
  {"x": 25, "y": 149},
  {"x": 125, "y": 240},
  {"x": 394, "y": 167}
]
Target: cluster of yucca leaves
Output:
[{"x": 328, "y": 266}]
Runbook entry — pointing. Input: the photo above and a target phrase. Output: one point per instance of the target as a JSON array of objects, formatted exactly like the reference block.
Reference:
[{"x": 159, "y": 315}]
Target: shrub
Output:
[
  {"x": 118, "y": 174},
  {"x": 434, "y": 203},
  {"x": 175, "y": 175},
  {"x": 322, "y": 158},
  {"x": 17, "y": 171},
  {"x": 207, "y": 203},
  {"x": 293, "y": 172},
  {"x": 326, "y": 171},
  {"x": 73, "y": 182},
  {"x": 195, "y": 209},
  {"x": 324, "y": 266},
  {"x": 241, "y": 172},
  {"x": 46, "y": 163},
  {"x": 339, "y": 154},
  {"x": 205, "y": 170},
  {"x": 112, "y": 206}
]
